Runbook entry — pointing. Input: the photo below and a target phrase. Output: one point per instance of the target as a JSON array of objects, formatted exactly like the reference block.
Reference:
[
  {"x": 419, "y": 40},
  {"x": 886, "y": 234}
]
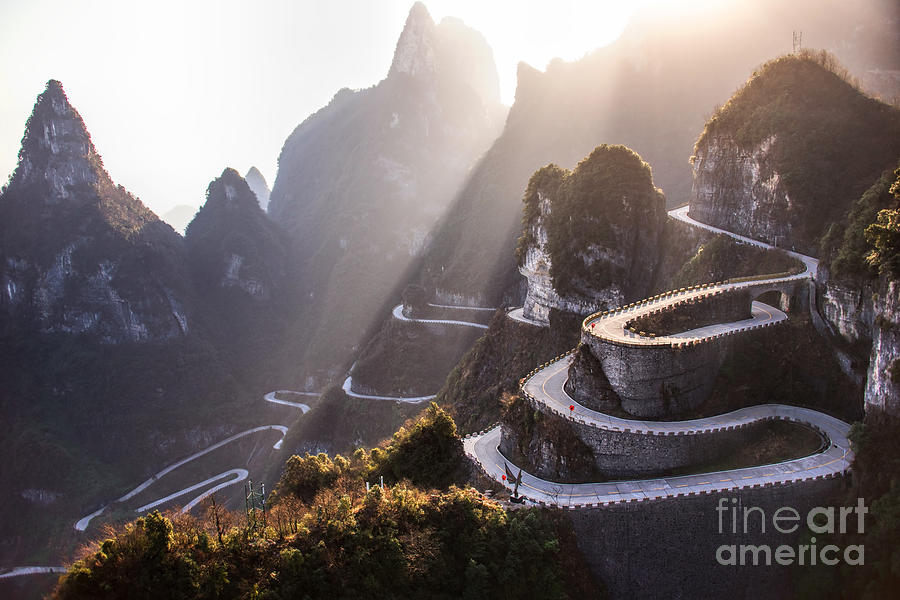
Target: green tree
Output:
[{"x": 884, "y": 236}]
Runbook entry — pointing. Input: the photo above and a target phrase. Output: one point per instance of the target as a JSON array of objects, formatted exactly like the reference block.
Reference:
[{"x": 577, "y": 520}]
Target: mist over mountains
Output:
[
  {"x": 127, "y": 346},
  {"x": 651, "y": 90},
  {"x": 362, "y": 182}
]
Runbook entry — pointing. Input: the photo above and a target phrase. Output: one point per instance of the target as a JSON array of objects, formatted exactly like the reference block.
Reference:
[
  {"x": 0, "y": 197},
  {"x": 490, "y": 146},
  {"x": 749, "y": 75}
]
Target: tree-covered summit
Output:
[
  {"x": 600, "y": 218},
  {"x": 824, "y": 141}
]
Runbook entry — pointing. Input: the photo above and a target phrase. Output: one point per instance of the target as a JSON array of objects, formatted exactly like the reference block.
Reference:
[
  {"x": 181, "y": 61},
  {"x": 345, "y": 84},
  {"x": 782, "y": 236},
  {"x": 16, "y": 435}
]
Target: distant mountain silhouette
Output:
[
  {"x": 258, "y": 184},
  {"x": 362, "y": 182}
]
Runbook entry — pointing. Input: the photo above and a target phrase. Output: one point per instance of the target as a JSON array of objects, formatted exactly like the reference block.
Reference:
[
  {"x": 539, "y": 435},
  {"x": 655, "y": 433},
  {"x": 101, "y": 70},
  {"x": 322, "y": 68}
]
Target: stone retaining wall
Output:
[
  {"x": 666, "y": 548},
  {"x": 659, "y": 381},
  {"x": 630, "y": 454}
]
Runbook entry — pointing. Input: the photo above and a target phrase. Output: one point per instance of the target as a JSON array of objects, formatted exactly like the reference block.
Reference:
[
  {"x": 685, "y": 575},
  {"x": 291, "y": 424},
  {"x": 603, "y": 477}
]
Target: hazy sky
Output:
[{"x": 173, "y": 92}]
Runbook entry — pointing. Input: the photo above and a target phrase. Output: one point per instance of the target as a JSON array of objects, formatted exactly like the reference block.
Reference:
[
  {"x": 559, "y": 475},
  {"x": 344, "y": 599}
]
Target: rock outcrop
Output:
[
  {"x": 779, "y": 161},
  {"x": 739, "y": 190},
  {"x": 591, "y": 235},
  {"x": 848, "y": 308},
  {"x": 79, "y": 254},
  {"x": 883, "y": 384}
]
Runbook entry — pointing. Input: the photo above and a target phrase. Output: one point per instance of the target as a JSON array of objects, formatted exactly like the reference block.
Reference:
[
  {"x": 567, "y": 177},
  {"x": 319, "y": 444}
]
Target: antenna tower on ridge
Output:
[{"x": 798, "y": 41}]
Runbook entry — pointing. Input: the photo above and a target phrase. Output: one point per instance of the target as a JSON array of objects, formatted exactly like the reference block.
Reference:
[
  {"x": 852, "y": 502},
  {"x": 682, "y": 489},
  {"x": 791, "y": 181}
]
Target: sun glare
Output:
[{"x": 536, "y": 32}]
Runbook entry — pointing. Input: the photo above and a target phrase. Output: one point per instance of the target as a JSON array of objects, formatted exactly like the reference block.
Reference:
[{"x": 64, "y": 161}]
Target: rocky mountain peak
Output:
[
  {"x": 231, "y": 242},
  {"x": 57, "y": 153},
  {"x": 230, "y": 191},
  {"x": 451, "y": 51},
  {"x": 79, "y": 254},
  {"x": 415, "y": 52}
]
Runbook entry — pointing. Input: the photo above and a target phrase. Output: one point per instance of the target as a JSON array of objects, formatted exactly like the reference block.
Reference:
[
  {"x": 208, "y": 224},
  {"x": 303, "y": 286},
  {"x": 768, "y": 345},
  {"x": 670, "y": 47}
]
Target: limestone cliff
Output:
[
  {"x": 788, "y": 154},
  {"x": 591, "y": 235},
  {"x": 739, "y": 190},
  {"x": 883, "y": 383},
  {"x": 651, "y": 90},
  {"x": 849, "y": 309},
  {"x": 79, "y": 254}
]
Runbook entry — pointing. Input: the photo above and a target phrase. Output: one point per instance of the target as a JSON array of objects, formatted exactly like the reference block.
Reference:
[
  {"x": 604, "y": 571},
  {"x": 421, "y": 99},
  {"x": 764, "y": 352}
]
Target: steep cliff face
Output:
[
  {"x": 849, "y": 308},
  {"x": 790, "y": 152},
  {"x": 362, "y": 182},
  {"x": 883, "y": 383},
  {"x": 79, "y": 254},
  {"x": 591, "y": 235},
  {"x": 850, "y": 282},
  {"x": 739, "y": 190}
]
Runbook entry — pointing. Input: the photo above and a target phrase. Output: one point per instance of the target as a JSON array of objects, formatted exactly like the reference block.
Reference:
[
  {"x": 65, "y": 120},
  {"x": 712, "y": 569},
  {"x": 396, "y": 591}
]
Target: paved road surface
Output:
[
  {"x": 518, "y": 314},
  {"x": 406, "y": 399},
  {"x": 451, "y": 306},
  {"x": 483, "y": 450},
  {"x": 304, "y": 408},
  {"x": 83, "y": 523},
  {"x": 398, "y": 314},
  {"x": 546, "y": 386},
  {"x": 17, "y": 571},
  {"x": 239, "y": 475}
]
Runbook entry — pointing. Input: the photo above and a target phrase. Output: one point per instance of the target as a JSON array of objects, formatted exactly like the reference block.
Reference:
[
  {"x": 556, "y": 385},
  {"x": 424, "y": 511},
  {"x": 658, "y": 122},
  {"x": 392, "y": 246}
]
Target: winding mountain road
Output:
[
  {"x": 82, "y": 524},
  {"x": 545, "y": 386},
  {"x": 398, "y": 314},
  {"x": 304, "y": 408},
  {"x": 460, "y": 307},
  {"x": 518, "y": 314},
  {"x": 405, "y": 399},
  {"x": 19, "y": 571},
  {"x": 238, "y": 475}
]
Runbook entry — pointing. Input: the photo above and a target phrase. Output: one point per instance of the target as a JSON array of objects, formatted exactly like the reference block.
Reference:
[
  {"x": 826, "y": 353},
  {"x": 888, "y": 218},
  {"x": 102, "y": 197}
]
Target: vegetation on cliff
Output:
[
  {"x": 884, "y": 235},
  {"x": 829, "y": 140},
  {"x": 326, "y": 536},
  {"x": 602, "y": 220},
  {"x": 722, "y": 258},
  {"x": 474, "y": 390},
  {"x": 847, "y": 243}
]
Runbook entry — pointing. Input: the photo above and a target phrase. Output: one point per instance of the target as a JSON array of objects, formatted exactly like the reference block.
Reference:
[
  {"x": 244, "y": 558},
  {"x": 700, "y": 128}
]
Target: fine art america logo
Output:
[{"x": 752, "y": 520}]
